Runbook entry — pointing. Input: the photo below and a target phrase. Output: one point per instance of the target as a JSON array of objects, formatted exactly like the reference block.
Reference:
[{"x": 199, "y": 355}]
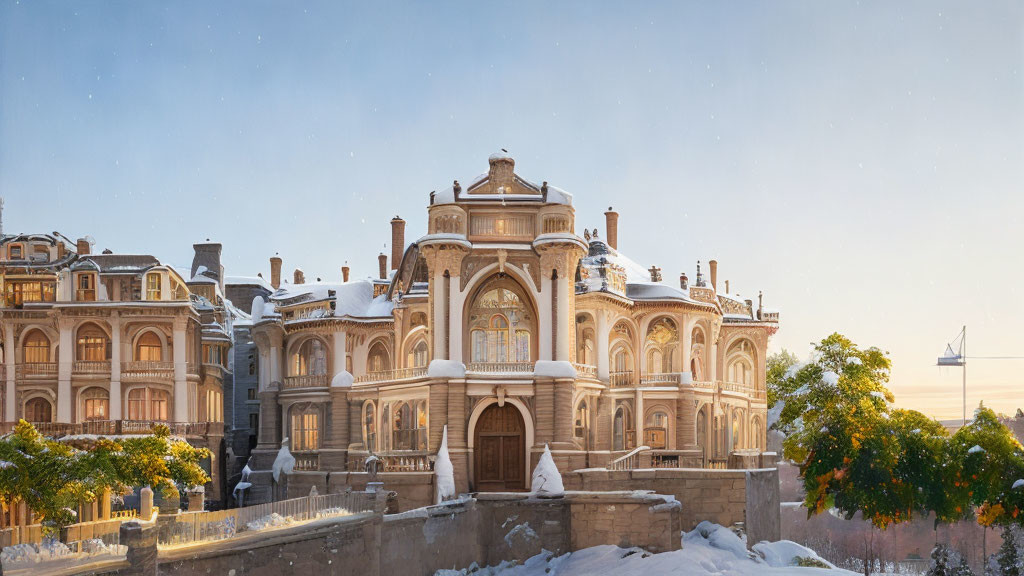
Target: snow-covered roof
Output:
[
  {"x": 353, "y": 299},
  {"x": 248, "y": 281}
]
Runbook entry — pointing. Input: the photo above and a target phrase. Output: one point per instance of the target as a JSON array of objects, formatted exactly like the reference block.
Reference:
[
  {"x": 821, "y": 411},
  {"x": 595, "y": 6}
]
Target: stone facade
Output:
[{"x": 536, "y": 336}]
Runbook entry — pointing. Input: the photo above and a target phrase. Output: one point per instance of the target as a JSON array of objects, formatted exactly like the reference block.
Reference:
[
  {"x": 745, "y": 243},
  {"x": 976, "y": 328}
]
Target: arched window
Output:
[
  {"x": 622, "y": 429},
  {"x": 36, "y": 348},
  {"x": 408, "y": 425},
  {"x": 148, "y": 348},
  {"x": 95, "y": 404},
  {"x": 417, "y": 357},
  {"x": 656, "y": 430},
  {"x": 740, "y": 362},
  {"x": 306, "y": 427},
  {"x": 92, "y": 344},
  {"x": 581, "y": 424},
  {"x": 501, "y": 323},
  {"x": 370, "y": 427},
  {"x": 310, "y": 359},
  {"x": 378, "y": 359},
  {"x": 153, "y": 286},
  {"x": 662, "y": 340},
  {"x": 38, "y": 410}
]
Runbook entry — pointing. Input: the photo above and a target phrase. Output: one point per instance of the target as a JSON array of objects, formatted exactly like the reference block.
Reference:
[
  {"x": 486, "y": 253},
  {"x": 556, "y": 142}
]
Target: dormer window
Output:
[
  {"x": 153, "y": 286},
  {"x": 14, "y": 252},
  {"x": 86, "y": 291}
]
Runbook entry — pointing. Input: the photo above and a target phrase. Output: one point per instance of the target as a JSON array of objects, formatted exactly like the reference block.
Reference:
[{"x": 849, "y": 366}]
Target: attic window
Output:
[{"x": 14, "y": 252}]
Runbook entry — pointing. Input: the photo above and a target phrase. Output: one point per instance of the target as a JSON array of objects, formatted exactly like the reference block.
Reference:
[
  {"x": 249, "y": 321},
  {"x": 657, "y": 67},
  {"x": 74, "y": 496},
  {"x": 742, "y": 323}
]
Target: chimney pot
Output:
[
  {"x": 382, "y": 261},
  {"x": 683, "y": 281},
  {"x": 713, "y": 266},
  {"x": 82, "y": 246},
  {"x": 727, "y": 287},
  {"x": 275, "y": 272},
  {"x": 344, "y": 273},
  {"x": 611, "y": 224},
  {"x": 397, "y": 241}
]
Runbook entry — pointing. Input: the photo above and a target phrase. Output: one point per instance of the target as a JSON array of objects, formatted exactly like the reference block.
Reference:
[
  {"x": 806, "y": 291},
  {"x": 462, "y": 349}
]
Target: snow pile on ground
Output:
[
  {"x": 709, "y": 550},
  {"x": 547, "y": 481},
  {"x": 269, "y": 521},
  {"x": 444, "y": 471}
]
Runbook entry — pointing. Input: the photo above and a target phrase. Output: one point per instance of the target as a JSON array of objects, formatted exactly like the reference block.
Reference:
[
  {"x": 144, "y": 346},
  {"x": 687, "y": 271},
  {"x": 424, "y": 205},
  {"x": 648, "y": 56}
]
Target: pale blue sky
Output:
[{"x": 860, "y": 162}]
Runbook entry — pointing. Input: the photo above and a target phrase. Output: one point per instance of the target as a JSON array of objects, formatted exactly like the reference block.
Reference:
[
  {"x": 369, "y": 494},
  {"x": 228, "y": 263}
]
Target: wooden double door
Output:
[{"x": 499, "y": 451}]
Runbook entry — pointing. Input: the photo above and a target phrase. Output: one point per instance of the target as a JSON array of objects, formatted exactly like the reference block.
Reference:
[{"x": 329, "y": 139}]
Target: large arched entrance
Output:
[{"x": 499, "y": 447}]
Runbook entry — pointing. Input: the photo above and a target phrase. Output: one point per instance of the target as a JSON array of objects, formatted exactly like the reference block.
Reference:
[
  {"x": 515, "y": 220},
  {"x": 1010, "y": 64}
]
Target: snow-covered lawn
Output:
[{"x": 709, "y": 550}]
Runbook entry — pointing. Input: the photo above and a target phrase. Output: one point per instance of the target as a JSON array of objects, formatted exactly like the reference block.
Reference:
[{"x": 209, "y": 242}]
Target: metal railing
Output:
[
  {"x": 195, "y": 527},
  {"x": 36, "y": 370},
  {"x": 118, "y": 427},
  {"x": 90, "y": 367},
  {"x": 669, "y": 378},
  {"x": 139, "y": 369},
  {"x": 621, "y": 379},
  {"x": 396, "y": 374},
  {"x": 305, "y": 381},
  {"x": 629, "y": 461},
  {"x": 716, "y": 463},
  {"x": 585, "y": 370}
]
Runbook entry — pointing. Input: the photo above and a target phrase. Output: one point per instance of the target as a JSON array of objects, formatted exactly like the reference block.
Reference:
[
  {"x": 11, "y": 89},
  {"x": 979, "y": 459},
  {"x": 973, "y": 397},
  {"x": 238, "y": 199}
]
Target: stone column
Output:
[
  {"x": 686, "y": 418},
  {"x": 438, "y": 327},
  {"x": 564, "y": 321},
  {"x": 686, "y": 347},
  {"x": 276, "y": 356},
  {"x": 64, "y": 360},
  {"x": 10, "y": 352},
  {"x": 545, "y": 407},
  {"x": 544, "y": 313},
  {"x": 181, "y": 407},
  {"x": 603, "y": 331},
  {"x": 340, "y": 343},
  {"x": 638, "y": 416},
  {"x": 115, "y": 367}
]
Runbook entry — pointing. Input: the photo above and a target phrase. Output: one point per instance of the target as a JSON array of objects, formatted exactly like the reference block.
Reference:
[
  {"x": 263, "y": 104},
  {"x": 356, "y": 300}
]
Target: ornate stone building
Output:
[
  {"x": 512, "y": 330},
  {"x": 111, "y": 344}
]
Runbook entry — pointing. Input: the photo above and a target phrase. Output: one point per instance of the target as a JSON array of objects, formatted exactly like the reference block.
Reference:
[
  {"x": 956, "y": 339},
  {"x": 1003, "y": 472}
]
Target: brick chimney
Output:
[
  {"x": 344, "y": 273},
  {"x": 382, "y": 261},
  {"x": 207, "y": 254},
  {"x": 713, "y": 266},
  {"x": 275, "y": 272},
  {"x": 500, "y": 174},
  {"x": 611, "y": 225},
  {"x": 397, "y": 241},
  {"x": 298, "y": 277},
  {"x": 82, "y": 247}
]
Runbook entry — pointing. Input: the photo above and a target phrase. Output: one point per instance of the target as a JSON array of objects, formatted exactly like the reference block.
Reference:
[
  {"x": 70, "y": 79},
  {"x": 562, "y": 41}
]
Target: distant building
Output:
[
  {"x": 111, "y": 343},
  {"x": 515, "y": 332}
]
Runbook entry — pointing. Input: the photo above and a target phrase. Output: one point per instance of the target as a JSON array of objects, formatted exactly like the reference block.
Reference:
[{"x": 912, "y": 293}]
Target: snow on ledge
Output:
[
  {"x": 342, "y": 379},
  {"x": 446, "y": 369},
  {"x": 554, "y": 369}
]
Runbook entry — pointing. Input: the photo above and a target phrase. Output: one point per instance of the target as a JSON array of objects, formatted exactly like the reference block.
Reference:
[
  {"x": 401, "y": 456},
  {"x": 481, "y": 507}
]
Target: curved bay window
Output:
[
  {"x": 417, "y": 357},
  {"x": 310, "y": 359},
  {"x": 149, "y": 348},
  {"x": 656, "y": 430},
  {"x": 92, "y": 344},
  {"x": 95, "y": 404},
  {"x": 501, "y": 323},
  {"x": 740, "y": 362},
  {"x": 306, "y": 427},
  {"x": 378, "y": 359},
  {"x": 148, "y": 404},
  {"x": 623, "y": 434},
  {"x": 408, "y": 424},
  {"x": 38, "y": 410},
  {"x": 36, "y": 348},
  {"x": 370, "y": 427}
]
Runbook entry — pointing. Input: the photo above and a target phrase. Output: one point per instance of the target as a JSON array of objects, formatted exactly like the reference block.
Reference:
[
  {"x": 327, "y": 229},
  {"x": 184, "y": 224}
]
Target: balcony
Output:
[
  {"x": 85, "y": 295},
  {"x": 394, "y": 463},
  {"x": 146, "y": 370},
  {"x": 305, "y": 381},
  {"x": 585, "y": 371},
  {"x": 621, "y": 379},
  {"x": 90, "y": 367},
  {"x": 36, "y": 370},
  {"x": 666, "y": 379},
  {"x": 392, "y": 375},
  {"x": 500, "y": 367},
  {"x": 307, "y": 461}
]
